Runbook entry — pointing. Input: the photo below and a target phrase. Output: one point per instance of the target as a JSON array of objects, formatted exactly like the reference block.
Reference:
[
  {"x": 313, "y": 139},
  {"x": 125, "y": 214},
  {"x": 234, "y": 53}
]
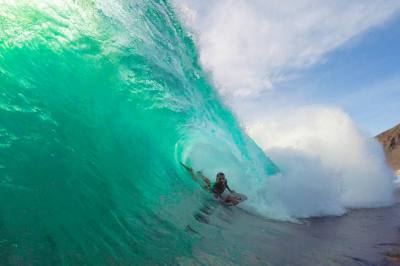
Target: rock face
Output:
[{"x": 390, "y": 140}]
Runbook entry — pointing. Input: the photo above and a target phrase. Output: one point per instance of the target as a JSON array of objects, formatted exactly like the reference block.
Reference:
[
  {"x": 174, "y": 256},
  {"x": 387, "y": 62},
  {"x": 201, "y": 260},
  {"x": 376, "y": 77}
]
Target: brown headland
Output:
[{"x": 390, "y": 139}]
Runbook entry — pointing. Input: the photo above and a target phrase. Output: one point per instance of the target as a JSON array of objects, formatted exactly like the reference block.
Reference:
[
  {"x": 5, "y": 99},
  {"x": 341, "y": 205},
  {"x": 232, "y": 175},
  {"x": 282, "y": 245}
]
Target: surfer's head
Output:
[{"x": 220, "y": 177}]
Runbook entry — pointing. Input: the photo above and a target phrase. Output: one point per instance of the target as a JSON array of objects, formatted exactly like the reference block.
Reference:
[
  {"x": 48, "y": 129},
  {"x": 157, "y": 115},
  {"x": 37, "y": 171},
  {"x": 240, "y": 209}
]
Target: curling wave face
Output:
[{"x": 99, "y": 102}]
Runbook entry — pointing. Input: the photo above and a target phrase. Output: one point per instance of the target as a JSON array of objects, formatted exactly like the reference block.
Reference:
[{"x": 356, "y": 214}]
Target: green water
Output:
[{"x": 99, "y": 101}]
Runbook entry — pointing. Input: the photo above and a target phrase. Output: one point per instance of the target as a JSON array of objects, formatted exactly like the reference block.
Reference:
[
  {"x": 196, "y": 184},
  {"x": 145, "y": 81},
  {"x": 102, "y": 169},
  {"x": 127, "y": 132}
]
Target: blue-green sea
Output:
[{"x": 99, "y": 102}]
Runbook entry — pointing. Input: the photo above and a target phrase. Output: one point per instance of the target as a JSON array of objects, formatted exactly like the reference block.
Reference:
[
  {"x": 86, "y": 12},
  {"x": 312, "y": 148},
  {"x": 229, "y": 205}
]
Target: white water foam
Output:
[{"x": 327, "y": 164}]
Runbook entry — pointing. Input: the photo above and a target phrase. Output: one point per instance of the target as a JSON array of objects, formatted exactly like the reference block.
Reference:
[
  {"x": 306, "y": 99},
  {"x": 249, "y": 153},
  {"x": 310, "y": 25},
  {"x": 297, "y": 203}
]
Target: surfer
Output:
[{"x": 218, "y": 188}]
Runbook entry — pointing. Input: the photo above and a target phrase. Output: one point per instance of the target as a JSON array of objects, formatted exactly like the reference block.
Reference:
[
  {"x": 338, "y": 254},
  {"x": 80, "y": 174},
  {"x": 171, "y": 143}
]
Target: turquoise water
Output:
[{"x": 99, "y": 102}]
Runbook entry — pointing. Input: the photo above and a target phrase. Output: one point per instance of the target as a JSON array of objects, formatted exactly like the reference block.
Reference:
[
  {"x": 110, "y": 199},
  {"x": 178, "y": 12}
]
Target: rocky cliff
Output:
[{"x": 390, "y": 140}]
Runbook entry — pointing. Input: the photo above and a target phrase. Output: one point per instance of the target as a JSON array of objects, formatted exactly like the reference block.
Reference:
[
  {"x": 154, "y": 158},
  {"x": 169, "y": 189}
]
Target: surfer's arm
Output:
[
  {"x": 206, "y": 180},
  {"x": 194, "y": 177},
  {"x": 190, "y": 169},
  {"x": 226, "y": 185}
]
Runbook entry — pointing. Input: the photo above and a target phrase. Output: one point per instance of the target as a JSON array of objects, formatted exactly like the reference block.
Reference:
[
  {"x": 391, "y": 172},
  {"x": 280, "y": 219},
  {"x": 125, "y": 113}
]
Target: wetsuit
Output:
[{"x": 218, "y": 188}]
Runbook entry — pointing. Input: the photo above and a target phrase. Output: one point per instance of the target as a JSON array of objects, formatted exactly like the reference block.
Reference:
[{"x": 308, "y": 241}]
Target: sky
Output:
[
  {"x": 268, "y": 57},
  {"x": 362, "y": 77}
]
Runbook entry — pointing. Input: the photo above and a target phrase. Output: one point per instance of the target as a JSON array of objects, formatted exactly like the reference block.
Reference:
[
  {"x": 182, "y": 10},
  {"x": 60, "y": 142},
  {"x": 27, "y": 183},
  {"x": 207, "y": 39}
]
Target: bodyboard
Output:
[{"x": 233, "y": 198}]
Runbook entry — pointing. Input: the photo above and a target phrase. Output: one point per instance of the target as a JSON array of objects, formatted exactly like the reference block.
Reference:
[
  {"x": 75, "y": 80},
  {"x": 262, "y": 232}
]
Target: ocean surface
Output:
[
  {"x": 99, "y": 102},
  {"x": 361, "y": 237}
]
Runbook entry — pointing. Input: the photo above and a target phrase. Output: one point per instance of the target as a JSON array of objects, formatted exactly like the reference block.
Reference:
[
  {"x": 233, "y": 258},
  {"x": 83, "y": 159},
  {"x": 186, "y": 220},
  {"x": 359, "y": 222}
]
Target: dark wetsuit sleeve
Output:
[{"x": 226, "y": 185}]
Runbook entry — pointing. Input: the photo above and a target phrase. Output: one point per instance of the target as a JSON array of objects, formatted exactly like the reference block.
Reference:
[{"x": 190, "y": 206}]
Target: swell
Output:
[{"x": 99, "y": 102}]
